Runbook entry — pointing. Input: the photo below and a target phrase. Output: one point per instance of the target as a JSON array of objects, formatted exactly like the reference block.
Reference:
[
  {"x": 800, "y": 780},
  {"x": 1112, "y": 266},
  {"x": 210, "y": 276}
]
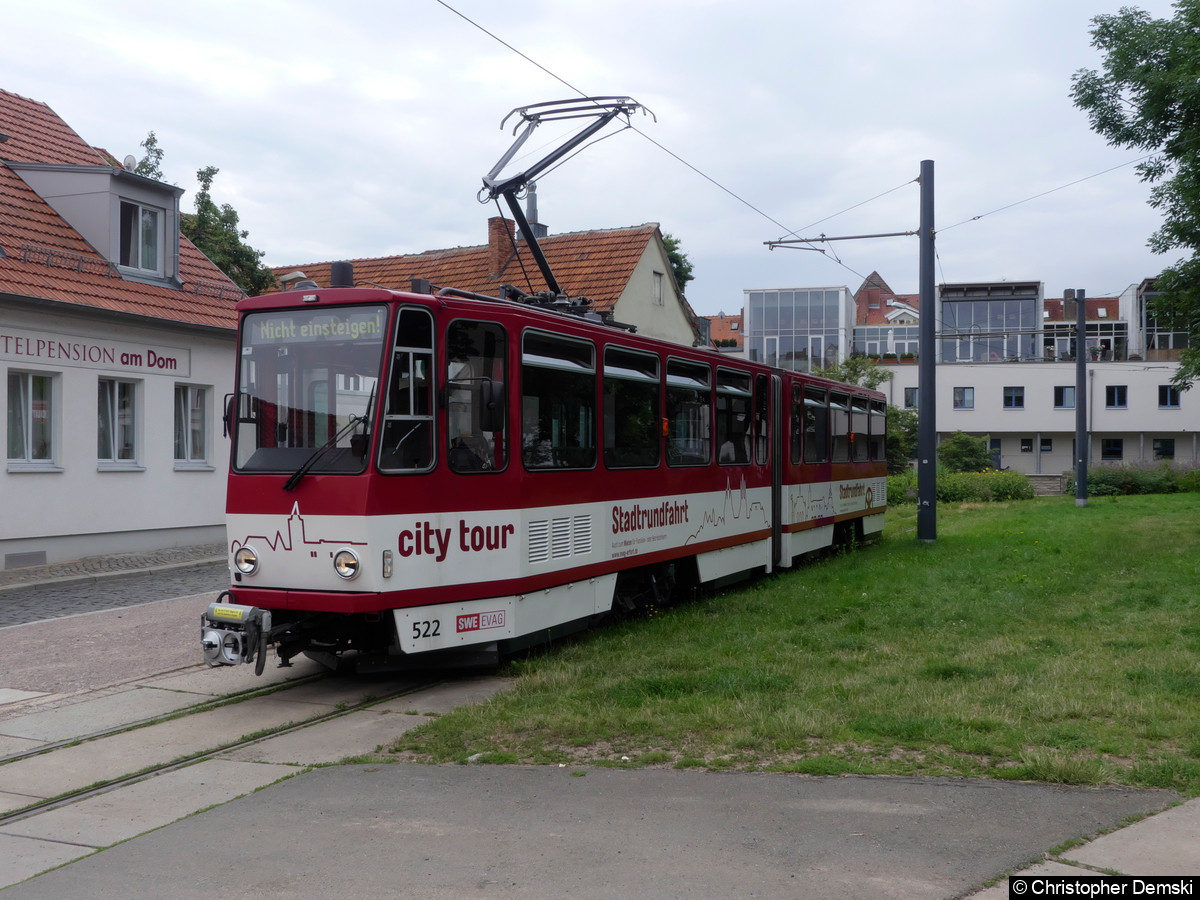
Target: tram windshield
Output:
[{"x": 308, "y": 381}]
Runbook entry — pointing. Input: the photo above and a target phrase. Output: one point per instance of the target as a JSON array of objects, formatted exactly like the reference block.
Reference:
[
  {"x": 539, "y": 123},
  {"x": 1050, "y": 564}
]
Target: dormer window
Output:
[{"x": 141, "y": 237}]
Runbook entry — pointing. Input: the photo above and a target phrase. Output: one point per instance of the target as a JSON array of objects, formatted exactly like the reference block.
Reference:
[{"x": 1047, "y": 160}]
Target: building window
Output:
[
  {"x": 910, "y": 398},
  {"x": 1115, "y": 396},
  {"x": 1168, "y": 396},
  {"x": 964, "y": 398},
  {"x": 1014, "y": 398},
  {"x": 1164, "y": 448},
  {"x": 116, "y": 432},
  {"x": 141, "y": 237},
  {"x": 1064, "y": 396},
  {"x": 657, "y": 292},
  {"x": 1026, "y": 445},
  {"x": 1112, "y": 449},
  {"x": 191, "y": 425},
  {"x": 30, "y": 418},
  {"x": 1047, "y": 445}
]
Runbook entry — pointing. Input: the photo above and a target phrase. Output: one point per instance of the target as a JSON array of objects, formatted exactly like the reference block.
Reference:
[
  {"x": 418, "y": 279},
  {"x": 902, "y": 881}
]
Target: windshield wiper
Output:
[{"x": 352, "y": 423}]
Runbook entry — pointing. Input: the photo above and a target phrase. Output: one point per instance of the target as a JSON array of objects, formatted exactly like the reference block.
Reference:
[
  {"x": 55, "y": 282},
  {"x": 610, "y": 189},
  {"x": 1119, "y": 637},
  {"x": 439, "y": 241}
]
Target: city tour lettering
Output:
[{"x": 426, "y": 539}]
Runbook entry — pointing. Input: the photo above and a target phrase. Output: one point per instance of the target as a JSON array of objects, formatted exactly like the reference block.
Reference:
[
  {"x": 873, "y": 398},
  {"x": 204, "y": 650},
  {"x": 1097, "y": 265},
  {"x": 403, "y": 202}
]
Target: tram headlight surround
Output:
[
  {"x": 245, "y": 560},
  {"x": 347, "y": 564}
]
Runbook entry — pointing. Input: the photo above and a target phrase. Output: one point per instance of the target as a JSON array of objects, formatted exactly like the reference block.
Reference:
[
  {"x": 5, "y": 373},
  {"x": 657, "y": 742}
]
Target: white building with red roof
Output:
[{"x": 116, "y": 346}]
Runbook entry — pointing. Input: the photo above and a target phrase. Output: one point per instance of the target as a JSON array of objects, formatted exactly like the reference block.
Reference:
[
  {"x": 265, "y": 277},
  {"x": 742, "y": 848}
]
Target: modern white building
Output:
[
  {"x": 1005, "y": 366},
  {"x": 116, "y": 350}
]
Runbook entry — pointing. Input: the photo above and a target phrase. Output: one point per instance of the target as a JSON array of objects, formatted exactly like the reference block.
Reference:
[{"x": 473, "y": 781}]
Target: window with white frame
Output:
[
  {"x": 31, "y": 418},
  {"x": 141, "y": 237},
  {"x": 964, "y": 398},
  {"x": 116, "y": 429},
  {"x": 191, "y": 425}
]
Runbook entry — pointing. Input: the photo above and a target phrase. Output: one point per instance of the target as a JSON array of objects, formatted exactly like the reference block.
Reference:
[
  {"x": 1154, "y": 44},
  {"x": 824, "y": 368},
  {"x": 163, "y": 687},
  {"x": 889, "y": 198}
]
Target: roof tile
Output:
[{"x": 42, "y": 257}]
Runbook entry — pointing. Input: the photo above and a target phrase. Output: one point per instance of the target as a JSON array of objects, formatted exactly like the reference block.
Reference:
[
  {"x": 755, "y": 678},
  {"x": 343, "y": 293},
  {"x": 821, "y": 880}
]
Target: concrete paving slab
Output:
[
  {"x": 22, "y": 857},
  {"x": 9, "y": 695},
  {"x": 353, "y": 734},
  {"x": 223, "y": 680},
  {"x": 336, "y": 691},
  {"x": 90, "y": 716},
  {"x": 10, "y": 801},
  {"x": 10, "y": 746},
  {"x": 545, "y": 832},
  {"x": 1167, "y": 844},
  {"x": 72, "y": 768},
  {"x": 443, "y": 698},
  {"x": 999, "y": 891},
  {"x": 109, "y": 818}
]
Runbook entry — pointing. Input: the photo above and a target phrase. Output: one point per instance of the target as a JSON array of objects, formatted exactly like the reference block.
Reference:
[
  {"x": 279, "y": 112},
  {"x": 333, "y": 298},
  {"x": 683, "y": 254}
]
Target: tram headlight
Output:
[
  {"x": 245, "y": 560},
  {"x": 346, "y": 564}
]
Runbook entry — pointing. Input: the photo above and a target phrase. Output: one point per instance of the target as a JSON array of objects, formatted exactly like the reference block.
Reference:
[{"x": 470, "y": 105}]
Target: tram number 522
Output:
[{"x": 427, "y": 629}]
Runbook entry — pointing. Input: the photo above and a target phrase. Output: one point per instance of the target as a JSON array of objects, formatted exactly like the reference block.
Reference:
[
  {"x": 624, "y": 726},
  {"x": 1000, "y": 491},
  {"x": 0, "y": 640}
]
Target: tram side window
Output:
[
  {"x": 476, "y": 363},
  {"x": 878, "y": 430},
  {"x": 839, "y": 413},
  {"x": 558, "y": 402},
  {"x": 816, "y": 425},
  {"x": 407, "y": 441},
  {"x": 762, "y": 428},
  {"x": 689, "y": 413},
  {"x": 632, "y": 433},
  {"x": 796, "y": 426},
  {"x": 859, "y": 429},
  {"x": 734, "y": 431}
]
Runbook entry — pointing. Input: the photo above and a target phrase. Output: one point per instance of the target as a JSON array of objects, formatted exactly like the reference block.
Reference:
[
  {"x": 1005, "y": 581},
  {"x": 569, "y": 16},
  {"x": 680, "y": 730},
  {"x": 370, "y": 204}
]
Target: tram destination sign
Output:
[{"x": 310, "y": 326}]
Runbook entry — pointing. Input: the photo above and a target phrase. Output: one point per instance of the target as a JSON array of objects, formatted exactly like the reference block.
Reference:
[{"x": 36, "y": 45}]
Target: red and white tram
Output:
[{"x": 444, "y": 472}]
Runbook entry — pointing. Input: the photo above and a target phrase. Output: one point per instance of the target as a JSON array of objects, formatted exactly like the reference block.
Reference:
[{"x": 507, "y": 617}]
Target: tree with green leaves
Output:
[
  {"x": 1146, "y": 96},
  {"x": 901, "y": 443},
  {"x": 857, "y": 370},
  {"x": 960, "y": 452},
  {"x": 214, "y": 230},
  {"x": 150, "y": 165},
  {"x": 680, "y": 264}
]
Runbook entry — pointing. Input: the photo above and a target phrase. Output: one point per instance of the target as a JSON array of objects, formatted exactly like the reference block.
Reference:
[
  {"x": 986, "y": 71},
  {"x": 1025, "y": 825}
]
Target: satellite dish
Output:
[{"x": 130, "y": 163}]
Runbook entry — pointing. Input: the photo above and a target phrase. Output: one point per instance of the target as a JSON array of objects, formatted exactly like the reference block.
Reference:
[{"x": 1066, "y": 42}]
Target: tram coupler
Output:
[{"x": 232, "y": 634}]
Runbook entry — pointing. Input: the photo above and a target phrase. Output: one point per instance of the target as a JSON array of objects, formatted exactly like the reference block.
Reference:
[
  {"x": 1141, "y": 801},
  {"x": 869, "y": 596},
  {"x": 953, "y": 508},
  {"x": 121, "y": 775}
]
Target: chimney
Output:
[
  {"x": 500, "y": 245},
  {"x": 531, "y": 214}
]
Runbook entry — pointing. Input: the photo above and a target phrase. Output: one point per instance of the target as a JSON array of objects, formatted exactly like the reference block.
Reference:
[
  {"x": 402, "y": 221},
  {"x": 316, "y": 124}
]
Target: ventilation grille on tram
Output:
[{"x": 560, "y": 538}]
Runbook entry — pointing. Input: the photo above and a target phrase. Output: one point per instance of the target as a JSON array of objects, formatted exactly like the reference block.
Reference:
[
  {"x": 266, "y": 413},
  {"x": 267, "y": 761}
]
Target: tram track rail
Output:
[{"x": 70, "y": 797}]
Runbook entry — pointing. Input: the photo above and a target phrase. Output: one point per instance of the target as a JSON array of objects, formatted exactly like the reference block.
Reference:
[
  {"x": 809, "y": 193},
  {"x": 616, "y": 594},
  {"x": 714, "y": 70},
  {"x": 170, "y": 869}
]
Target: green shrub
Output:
[
  {"x": 1138, "y": 478},
  {"x": 963, "y": 487}
]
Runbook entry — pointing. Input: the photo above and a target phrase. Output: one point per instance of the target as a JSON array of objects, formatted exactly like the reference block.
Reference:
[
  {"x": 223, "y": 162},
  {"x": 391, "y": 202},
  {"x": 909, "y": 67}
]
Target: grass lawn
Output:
[{"x": 1032, "y": 640}]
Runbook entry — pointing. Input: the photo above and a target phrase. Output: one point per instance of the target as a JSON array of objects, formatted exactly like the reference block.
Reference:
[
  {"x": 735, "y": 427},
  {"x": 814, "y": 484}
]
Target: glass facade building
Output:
[{"x": 799, "y": 328}]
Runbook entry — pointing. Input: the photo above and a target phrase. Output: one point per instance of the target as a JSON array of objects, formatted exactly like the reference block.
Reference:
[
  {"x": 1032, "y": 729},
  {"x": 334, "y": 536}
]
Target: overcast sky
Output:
[{"x": 363, "y": 128}]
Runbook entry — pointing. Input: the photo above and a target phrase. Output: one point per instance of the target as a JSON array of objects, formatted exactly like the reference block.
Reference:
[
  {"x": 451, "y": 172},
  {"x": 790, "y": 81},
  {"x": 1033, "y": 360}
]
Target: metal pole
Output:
[
  {"x": 926, "y": 374},
  {"x": 1081, "y": 429}
]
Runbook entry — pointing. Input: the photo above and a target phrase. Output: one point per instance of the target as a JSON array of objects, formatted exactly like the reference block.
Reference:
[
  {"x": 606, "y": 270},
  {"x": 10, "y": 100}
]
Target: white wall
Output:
[
  {"x": 1137, "y": 424},
  {"x": 80, "y": 506}
]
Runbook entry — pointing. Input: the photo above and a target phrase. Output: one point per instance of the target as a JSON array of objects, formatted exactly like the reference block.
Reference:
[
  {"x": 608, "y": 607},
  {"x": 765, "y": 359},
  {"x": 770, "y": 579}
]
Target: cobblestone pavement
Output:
[{"x": 35, "y": 593}]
